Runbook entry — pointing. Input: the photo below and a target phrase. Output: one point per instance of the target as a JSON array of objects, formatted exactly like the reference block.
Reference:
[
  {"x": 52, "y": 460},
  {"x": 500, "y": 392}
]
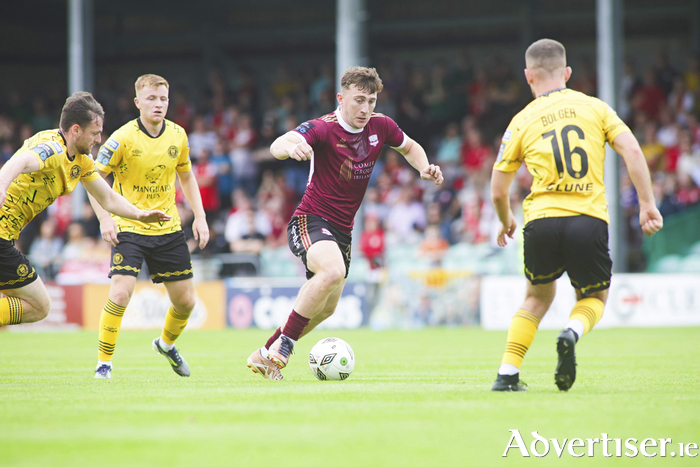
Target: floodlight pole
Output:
[
  {"x": 80, "y": 68},
  {"x": 351, "y": 50},
  {"x": 609, "y": 19},
  {"x": 351, "y": 36}
]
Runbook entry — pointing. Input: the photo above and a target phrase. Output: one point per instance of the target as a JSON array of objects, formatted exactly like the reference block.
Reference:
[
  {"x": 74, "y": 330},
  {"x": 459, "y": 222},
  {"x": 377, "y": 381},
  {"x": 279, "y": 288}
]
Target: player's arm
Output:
[
  {"x": 415, "y": 155},
  {"x": 500, "y": 196},
  {"x": 292, "y": 145},
  {"x": 627, "y": 146},
  {"x": 115, "y": 203},
  {"x": 108, "y": 228},
  {"x": 190, "y": 189},
  {"x": 23, "y": 163}
]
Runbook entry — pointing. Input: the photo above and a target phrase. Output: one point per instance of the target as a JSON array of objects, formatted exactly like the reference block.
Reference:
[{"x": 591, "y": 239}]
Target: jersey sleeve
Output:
[
  {"x": 612, "y": 123},
  {"x": 184, "y": 163},
  {"x": 111, "y": 153},
  {"x": 311, "y": 131},
  {"x": 395, "y": 137},
  {"x": 510, "y": 154},
  {"x": 88, "y": 171},
  {"x": 44, "y": 150}
]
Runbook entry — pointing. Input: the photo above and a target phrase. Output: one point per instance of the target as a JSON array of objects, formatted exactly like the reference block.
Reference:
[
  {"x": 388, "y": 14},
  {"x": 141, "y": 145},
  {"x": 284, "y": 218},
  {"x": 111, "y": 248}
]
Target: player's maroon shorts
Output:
[
  {"x": 15, "y": 269},
  {"x": 305, "y": 230},
  {"x": 577, "y": 245}
]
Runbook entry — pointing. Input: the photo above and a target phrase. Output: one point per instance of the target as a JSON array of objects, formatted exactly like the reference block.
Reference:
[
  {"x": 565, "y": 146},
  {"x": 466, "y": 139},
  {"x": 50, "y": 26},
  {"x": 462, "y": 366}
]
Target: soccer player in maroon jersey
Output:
[{"x": 343, "y": 147}]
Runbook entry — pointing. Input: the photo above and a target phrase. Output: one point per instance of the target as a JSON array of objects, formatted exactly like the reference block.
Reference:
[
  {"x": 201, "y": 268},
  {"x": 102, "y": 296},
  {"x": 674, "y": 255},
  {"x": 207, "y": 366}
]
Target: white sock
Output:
[
  {"x": 264, "y": 352},
  {"x": 508, "y": 369},
  {"x": 293, "y": 341},
  {"x": 164, "y": 345},
  {"x": 104, "y": 362},
  {"x": 576, "y": 326}
]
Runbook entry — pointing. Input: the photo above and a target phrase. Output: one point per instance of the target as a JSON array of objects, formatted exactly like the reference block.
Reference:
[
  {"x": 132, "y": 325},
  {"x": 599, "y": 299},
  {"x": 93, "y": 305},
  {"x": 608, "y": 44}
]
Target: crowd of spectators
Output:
[{"x": 457, "y": 110}]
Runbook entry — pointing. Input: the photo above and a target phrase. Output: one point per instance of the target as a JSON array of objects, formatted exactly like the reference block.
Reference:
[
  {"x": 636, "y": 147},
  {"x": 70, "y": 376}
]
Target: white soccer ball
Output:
[{"x": 332, "y": 358}]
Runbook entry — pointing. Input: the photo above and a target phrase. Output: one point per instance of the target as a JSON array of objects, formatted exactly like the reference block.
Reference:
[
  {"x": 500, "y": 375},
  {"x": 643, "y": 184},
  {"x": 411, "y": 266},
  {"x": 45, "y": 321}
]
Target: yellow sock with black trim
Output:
[
  {"x": 110, "y": 323},
  {"x": 10, "y": 311},
  {"x": 521, "y": 333},
  {"x": 586, "y": 314},
  {"x": 174, "y": 325}
]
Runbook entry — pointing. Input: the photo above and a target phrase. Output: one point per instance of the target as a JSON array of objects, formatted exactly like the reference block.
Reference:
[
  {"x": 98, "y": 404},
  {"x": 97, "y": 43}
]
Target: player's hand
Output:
[
  {"x": 109, "y": 231},
  {"x": 153, "y": 216},
  {"x": 650, "y": 219},
  {"x": 508, "y": 229},
  {"x": 3, "y": 196},
  {"x": 301, "y": 152},
  {"x": 201, "y": 232},
  {"x": 432, "y": 172}
]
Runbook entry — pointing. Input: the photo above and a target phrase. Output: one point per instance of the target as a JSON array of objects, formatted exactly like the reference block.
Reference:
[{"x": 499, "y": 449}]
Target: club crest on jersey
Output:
[
  {"x": 75, "y": 171},
  {"x": 325, "y": 231},
  {"x": 117, "y": 258},
  {"x": 173, "y": 152},
  {"x": 112, "y": 143},
  {"x": 373, "y": 140},
  {"x": 22, "y": 270}
]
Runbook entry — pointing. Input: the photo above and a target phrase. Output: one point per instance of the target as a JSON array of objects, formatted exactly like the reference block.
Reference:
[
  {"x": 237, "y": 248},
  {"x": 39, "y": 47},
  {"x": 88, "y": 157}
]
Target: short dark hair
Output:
[
  {"x": 547, "y": 54},
  {"x": 80, "y": 108},
  {"x": 364, "y": 79}
]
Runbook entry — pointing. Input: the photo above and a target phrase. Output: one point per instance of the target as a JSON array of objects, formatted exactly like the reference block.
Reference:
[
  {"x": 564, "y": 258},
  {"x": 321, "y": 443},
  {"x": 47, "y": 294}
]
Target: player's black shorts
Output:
[
  {"x": 15, "y": 269},
  {"x": 577, "y": 245},
  {"x": 167, "y": 256},
  {"x": 305, "y": 230}
]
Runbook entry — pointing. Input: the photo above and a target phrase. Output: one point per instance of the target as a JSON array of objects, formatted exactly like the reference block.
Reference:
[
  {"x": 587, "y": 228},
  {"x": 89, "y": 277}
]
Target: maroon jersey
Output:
[{"x": 342, "y": 163}]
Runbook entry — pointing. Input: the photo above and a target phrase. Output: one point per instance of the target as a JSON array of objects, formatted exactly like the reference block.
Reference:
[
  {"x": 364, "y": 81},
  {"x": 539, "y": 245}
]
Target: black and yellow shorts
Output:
[
  {"x": 167, "y": 256},
  {"x": 305, "y": 230},
  {"x": 577, "y": 245},
  {"x": 15, "y": 269}
]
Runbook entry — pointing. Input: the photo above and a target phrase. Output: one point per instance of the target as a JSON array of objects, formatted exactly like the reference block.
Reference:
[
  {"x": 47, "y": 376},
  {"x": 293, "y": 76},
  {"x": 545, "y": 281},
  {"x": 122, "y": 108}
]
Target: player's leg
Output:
[
  {"x": 543, "y": 265},
  {"x": 521, "y": 333},
  {"x": 327, "y": 310},
  {"x": 125, "y": 265},
  {"x": 169, "y": 262},
  {"x": 26, "y": 304},
  {"x": 587, "y": 312},
  {"x": 182, "y": 297},
  {"x": 590, "y": 268},
  {"x": 258, "y": 361},
  {"x": 26, "y": 299},
  {"x": 318, "y": 244},
  {"x": 325, "y": 260},
  {"x": 120, "y": 292}
]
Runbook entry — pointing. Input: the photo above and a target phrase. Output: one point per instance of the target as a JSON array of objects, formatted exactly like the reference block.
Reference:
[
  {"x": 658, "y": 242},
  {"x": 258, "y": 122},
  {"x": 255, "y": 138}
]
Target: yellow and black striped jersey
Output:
[
  {"x": 145, "y": 169},
  {"x": 561, "y": 138},
  {"x": 31, "y": 193}
]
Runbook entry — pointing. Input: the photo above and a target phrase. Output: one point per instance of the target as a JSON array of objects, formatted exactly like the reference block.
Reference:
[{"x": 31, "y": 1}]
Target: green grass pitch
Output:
[{"x": 416, "y": 398}]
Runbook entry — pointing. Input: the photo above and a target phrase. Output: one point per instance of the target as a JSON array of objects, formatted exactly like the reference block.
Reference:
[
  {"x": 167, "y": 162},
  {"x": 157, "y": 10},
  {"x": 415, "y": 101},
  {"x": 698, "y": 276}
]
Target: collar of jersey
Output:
[
  {"x": 143, "y": 129},
  {"x": 552, "y": 91},
  {"x": 65, "y": 143},
  {"x": 345, "y": 126}
]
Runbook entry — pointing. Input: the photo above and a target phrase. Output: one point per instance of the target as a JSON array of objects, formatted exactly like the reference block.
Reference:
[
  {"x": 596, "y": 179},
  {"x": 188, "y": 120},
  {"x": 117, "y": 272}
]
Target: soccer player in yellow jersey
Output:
[
  {"x": 145, "y": 156},
  {"x": 48, "y": 165},
  {"x": 561, "y": 137}
]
